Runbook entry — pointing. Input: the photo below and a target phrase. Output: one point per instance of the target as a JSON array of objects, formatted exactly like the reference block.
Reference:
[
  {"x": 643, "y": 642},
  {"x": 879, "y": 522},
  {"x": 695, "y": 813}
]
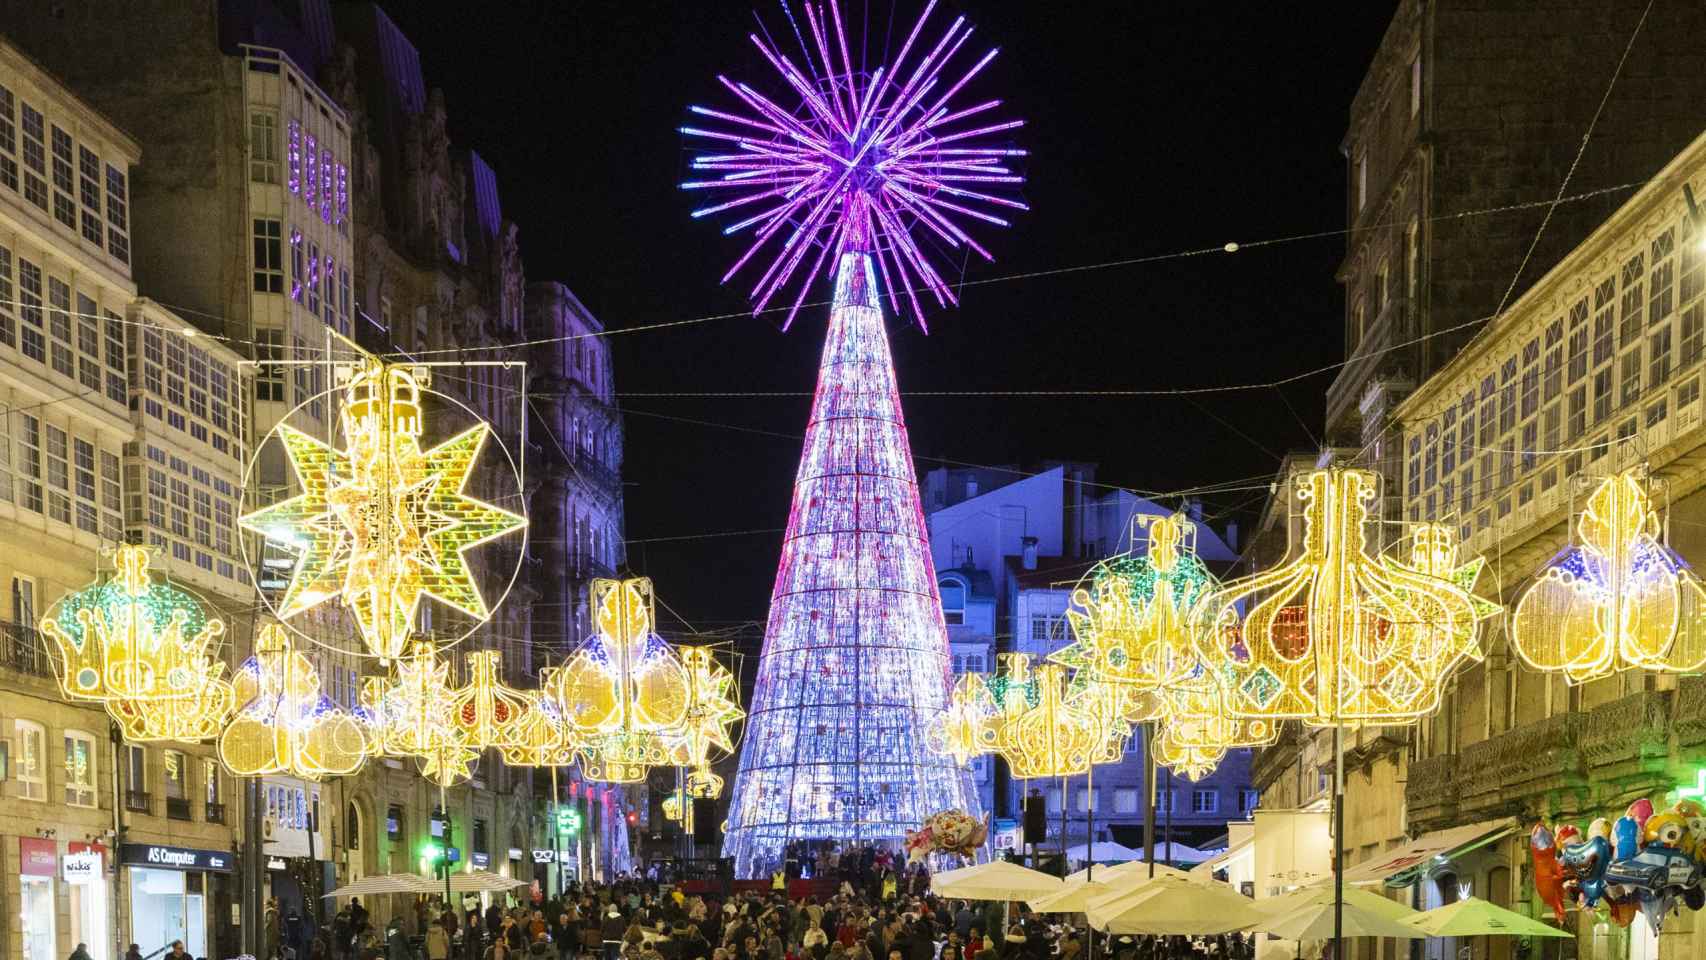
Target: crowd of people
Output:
[{"x": 878, "y": 911}]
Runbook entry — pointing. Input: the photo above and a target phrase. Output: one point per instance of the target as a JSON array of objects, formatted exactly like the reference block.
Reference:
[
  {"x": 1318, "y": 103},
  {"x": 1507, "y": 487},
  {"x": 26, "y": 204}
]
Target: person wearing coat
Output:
[
  {"x": 473, "y": 936},
  {"x": 437, "y": 942}
]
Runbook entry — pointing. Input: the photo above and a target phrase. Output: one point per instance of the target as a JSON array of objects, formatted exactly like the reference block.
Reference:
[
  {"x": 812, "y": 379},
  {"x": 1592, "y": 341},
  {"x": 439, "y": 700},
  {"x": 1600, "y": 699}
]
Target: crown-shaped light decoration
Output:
[
  {"x": 1130, "y": 616},
  {"x": 1333, "y": 635},
  {"x": 284, "y": 724},
  {"x": 542, "y": 738},
  {"x": 184, "y": 719},
  {"x": 381, "y": 522},
  {"x": 1619, "y": 599},
  {"x": 1059, "y": 736},
  {"x": 624, "y": 693},
  {"x": 486, "y": 712},
  {"x": 129, "y": 637},
  {"x": 1193, "y": 762}
]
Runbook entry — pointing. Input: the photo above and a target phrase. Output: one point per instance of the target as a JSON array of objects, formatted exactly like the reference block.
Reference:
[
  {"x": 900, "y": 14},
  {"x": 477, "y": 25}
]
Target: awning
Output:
[
  {"x": 1407, "y": 864},
  {"x": 1207, "y": 867}
]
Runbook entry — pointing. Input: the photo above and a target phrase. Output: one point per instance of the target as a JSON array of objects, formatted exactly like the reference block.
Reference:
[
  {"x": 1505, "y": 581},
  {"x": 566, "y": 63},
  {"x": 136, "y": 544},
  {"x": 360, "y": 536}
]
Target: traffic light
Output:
[
  {"x": 568, "y": 821},
  {"x": 633, "y": 818}
]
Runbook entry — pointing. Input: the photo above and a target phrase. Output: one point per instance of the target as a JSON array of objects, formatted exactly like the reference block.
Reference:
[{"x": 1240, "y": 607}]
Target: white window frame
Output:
[
  {"x": 82, "y": 793},
  {"x": 1205, "y": 800},
  {"x": 31, "y": 766},
  {"x": 182, "y": 779},
  {"x": 1125, "y": 800}
]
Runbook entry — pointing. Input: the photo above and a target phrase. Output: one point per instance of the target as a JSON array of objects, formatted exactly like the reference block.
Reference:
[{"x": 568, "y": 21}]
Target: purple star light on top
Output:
[{"x": 875, "y": 158}]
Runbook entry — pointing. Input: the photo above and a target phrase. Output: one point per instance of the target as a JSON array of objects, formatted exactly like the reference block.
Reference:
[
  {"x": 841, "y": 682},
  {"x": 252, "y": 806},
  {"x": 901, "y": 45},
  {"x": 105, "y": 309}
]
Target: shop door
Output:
[
  {"x": 89, "y": 918},
  {"x": 37, "y": 918},
  {"x": 195, "y": 920}
]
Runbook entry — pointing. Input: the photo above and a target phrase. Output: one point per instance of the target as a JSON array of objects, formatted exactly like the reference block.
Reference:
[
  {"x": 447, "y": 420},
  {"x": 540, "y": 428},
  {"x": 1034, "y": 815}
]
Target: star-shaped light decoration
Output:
[
  {"x": 381, "y": 522},
  {"x": 709, "y": 720},
  {"x": 410, "y": 716}
]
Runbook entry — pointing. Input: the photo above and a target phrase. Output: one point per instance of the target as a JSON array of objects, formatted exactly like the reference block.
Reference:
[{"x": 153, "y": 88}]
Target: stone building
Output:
[
  {"x": 306, "y": 158},
  {"x": 1467, "y": 122},
  {"x": 114, "y": 427},
  {"x": 1605, "y": 351}
]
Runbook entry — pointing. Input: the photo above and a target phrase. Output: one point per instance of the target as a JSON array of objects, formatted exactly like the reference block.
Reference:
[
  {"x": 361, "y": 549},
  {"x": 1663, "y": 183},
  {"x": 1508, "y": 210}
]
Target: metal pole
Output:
[
  {"x": 556, "y": 860},
  {"x": 1338, "y": 840},
  {"x": 1170, "y": 805},
  {"x": 1149, "y": 797},
  {"x": 1090, "y": 852},
  {"x": 1063, "y": 828},
  {"x": 254, "y": 904}
]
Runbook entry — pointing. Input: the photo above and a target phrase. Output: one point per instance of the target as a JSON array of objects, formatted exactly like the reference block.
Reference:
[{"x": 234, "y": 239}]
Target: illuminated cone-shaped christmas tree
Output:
[
  {"x": 855, "y": 660},
  {"x": 874, "y": 159}
]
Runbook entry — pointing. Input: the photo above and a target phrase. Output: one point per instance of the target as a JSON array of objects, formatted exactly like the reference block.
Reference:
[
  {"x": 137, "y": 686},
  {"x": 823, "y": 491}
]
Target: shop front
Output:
[
  {"x": 38, "y": 865},
  {"x": 83, "y": 869},
  {"x": 168, "y": 894}
]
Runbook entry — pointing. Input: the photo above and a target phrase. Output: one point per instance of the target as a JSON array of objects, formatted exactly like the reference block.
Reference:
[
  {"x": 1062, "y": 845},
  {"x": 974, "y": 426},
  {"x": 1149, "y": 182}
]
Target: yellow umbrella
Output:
[
  {"x": 1169, "y": 905},
  {"x": 996, "y": 880},
  {"x": 1473, "y": 917},
  {"x": 1361, "y": 916},
  {"x": 1072, "y": 897},
  {"x": 1129, "y": 868},
  {"x": 1321, "y": 892}
]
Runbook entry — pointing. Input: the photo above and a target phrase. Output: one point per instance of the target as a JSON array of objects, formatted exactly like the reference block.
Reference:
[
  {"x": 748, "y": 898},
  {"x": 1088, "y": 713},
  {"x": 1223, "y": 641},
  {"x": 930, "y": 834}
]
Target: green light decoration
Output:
[{"x": 1696, "y": 792}]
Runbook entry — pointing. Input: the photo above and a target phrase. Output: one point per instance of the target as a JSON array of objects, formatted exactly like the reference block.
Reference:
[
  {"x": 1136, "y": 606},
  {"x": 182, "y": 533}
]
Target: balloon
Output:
[
  {"x": 1548, "y": 873},
  {"x": 951, "y": 831},
  {"x": 1655, "y": 909},
  {"x": 1567, "y": 834},
  {"x": 1622, "y": 911},
  {"x": 1587, "y": 861},
  {"x": 1625, "y": 838}
]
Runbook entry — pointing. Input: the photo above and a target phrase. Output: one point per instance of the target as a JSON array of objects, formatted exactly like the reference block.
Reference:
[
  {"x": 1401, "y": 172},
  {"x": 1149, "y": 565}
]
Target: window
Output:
[
  {"x": 176, "y": 772},
  {"x": 953, "y": 602},
  {"x": 1205, "y": 801},
  {"x": 263, "y": 147},
  {"x": 269, "y": 374},
  {"x": 1082, "y": 799},
  {"x": 1125, "y": 800},
  {"x": 32, "y": 759},
  {"x": 1043, "y": 627},
  {"x": 79, "y": 769},
  {"x": 394, "y": 823},
  {"x": 136, "y": 768},
  {"x": 1247, "y": 800},
  {"x": 59, "y": 323},
  {"x": 1362, "y": 180},
  {"x": 118, "y": 239},
  {"x": 24, "y": 602},
  {"x": 1164, "y": 801},
  {"x": 1412, "y": 260},
  {"x": 479, "y": 837},
  {"x": 269, "y": 257},
  {"x": 296, "y": 264}
]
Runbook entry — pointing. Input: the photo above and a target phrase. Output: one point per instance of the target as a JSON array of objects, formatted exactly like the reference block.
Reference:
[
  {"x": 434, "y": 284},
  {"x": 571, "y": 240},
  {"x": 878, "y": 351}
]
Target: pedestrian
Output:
[
  {"x": 134, "y": 953},
  {"x": 473, "y": 935},
  {"x": 81, "y": 953},
  {"x": 437, "y": 942}
]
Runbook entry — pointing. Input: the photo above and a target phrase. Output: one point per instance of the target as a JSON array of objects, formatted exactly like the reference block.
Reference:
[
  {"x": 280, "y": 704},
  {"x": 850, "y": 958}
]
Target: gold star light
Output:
[{"x": 382, "y": 522}]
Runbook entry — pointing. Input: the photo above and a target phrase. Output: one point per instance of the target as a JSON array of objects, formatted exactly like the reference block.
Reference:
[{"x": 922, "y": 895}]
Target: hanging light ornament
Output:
[
  {"x": 1193, "y": 762},
  {"x": 1620, "y": 599},
  {"x": 542, "y": 738},
  {"x": 1058, "y": 736},
  {"x": 486, "y": 712},
  {"x": 411, "y": 716},
  {"x": 144, "y": 649},
  {"x": 624, "y": 694},
  {"x": 708, "y": 722},
  {"x": 963, "y": 730},
  {"x": 381, "y": 522},
  {"x": 284, "y": 724},
  {"x": 1333, "y": 635}
]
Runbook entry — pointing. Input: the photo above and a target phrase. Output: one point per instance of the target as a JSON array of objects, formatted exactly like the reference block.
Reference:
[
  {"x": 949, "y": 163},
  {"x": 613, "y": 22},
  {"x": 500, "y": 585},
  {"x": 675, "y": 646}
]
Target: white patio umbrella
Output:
[
  {"x": 1310, "y": 916},
  {"x": 1170, "y": 905},
  {"x": 996, "y": 880},
  {"x": 1072, "y": 897},
  {"x": 477, "y": 881},
  {"x": 384, "y": 883},
  {"x": 1102, "y": 850},
  {"x": 1129, "y": 868},
  {"x": 1474, "y": 917}
]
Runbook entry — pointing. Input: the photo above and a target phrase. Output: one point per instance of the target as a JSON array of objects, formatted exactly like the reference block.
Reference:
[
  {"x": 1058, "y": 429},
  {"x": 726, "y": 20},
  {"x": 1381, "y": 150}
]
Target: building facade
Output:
[{"x": 307, "y": 159}]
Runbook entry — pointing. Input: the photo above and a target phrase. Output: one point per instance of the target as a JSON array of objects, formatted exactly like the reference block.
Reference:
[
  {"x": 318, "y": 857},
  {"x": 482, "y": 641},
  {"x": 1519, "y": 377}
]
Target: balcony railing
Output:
[
  {"x": 138, "y": 801},
  {"x": 1374, "y": 352},
  {"x": 177, "y": 808},
  {"x": 215, "y": 812},
  {"x": 22, "y": 649},
  {"x": 595, "y": 471}
]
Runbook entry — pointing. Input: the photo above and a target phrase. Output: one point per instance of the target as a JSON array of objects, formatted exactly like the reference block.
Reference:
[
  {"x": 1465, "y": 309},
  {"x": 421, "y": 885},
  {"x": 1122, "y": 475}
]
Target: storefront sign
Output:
[
  {"x": 37, "y": 857},
  {"x": 482, "y": 860},
  {"x": 515, "y": 853},
  {"x": 174, "y": 858},
  {"x": 83, "y": 867},
  {"x": 544, "y": 856},
  {"x": 276, "y": 864}
]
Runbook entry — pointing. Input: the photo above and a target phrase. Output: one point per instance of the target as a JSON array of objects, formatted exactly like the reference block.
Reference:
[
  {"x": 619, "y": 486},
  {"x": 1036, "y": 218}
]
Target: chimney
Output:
[
  {"x": 1232, "y": 535},
  {"x": 1028, "y": 555}
]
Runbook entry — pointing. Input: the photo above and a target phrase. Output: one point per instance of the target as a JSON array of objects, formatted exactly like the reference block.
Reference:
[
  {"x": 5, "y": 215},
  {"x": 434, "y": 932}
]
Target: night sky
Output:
[{"x": 1154, "y": 128}]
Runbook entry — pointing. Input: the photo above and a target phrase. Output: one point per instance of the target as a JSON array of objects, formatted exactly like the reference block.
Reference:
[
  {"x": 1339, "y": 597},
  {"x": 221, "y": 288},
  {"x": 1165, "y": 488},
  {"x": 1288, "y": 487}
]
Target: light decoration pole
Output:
[
  {"x": 875, "y": 158},
  {"x": 1618, "y": 599},
  {"x": 1338, "y": 638}
]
